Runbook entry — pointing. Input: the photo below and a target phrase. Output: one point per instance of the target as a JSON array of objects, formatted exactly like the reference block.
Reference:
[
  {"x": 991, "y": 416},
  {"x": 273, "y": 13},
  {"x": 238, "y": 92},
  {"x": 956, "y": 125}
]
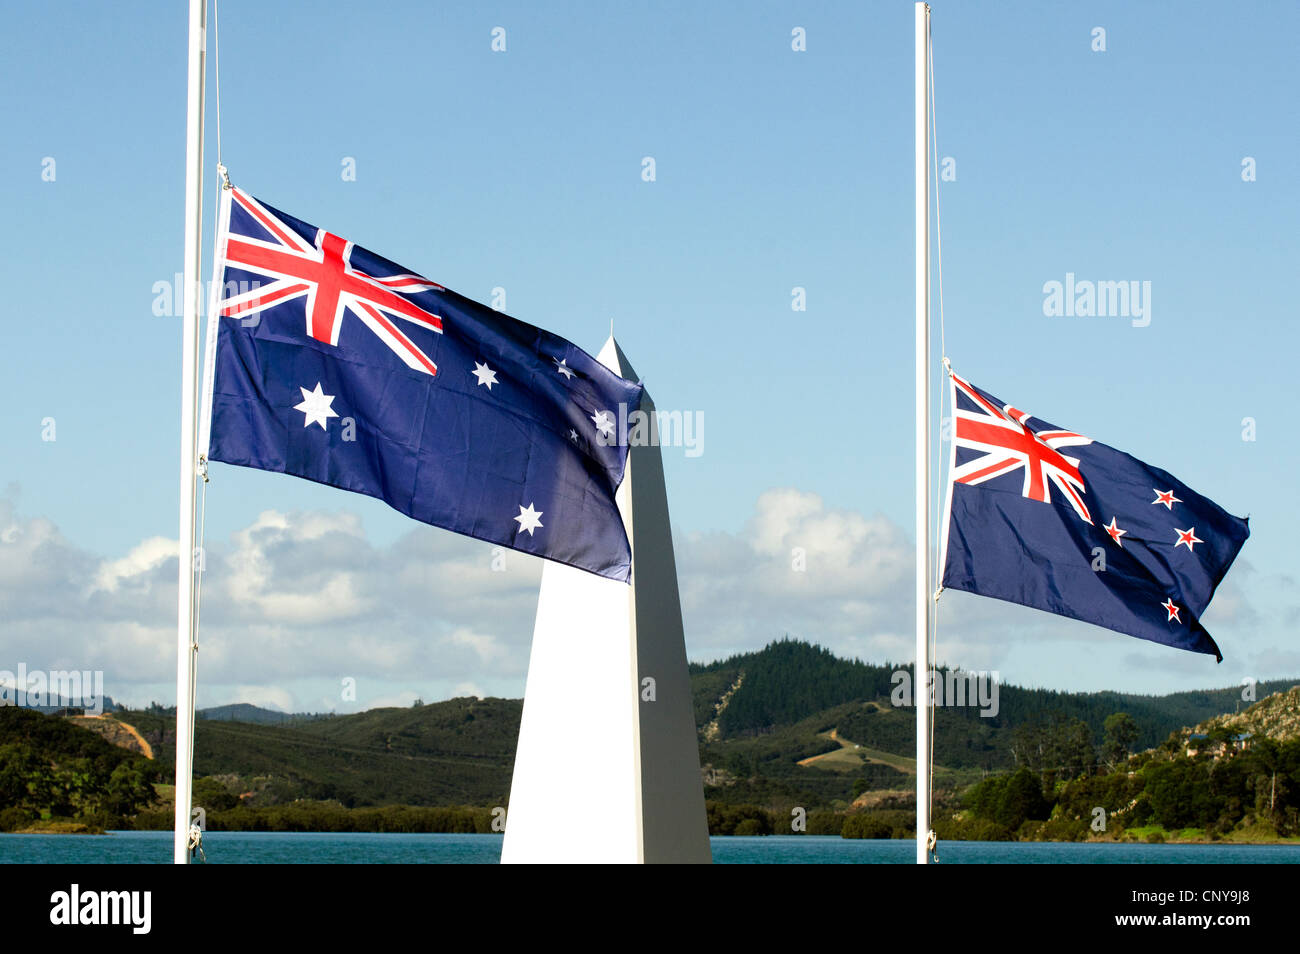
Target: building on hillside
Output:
[{"x": 1198, "y": 742}]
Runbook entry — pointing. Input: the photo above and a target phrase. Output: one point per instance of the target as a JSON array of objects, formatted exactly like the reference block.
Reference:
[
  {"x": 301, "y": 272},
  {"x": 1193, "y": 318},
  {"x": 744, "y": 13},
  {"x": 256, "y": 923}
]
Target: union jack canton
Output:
[{"x": 328, "y": 362}]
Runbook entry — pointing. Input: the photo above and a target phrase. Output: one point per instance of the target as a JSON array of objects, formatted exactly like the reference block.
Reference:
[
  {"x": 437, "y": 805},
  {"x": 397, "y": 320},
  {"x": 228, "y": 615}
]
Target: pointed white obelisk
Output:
[{"x": 608, "y": 765}]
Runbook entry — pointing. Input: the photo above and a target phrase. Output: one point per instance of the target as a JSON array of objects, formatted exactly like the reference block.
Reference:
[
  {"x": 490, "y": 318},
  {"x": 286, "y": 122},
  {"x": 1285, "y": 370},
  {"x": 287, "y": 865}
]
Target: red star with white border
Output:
[
  {"x": 1172, "y": 609},
  {"x": 1165, "y": 497},
  {"x": 1115, "y": 532},
  {"x": 1188, "y": 537}
]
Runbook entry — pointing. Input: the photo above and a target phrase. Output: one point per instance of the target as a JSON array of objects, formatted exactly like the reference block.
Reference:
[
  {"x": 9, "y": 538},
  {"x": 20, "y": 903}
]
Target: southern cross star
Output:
[
  {"x": 1115, "y": 532},
  {"x": 1187, "y": 537},
  {"x": 1165, "y": 497},
  {"x": 529, "y": 519},
  {"x": 1172, "y": 610},
  {"x": 562, "y": 366},
  {"x": 485, "y": 374},
  {"x": 316, "y": 406}
]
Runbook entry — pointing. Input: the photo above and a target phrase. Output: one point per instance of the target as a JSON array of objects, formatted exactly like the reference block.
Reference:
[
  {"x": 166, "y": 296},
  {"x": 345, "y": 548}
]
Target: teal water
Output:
[{"x": 154, "y": 847}]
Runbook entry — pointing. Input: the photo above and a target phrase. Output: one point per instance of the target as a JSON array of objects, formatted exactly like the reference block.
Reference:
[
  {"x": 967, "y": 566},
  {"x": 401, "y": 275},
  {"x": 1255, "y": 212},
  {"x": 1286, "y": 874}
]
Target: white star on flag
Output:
[
  {"x": 485, "y": 374},
  {"x": 529, "y": 519},
  {"x": 563, "y": 367},
  {"x": 604, "y": 422},
  {"x": 316, "y": 406}
]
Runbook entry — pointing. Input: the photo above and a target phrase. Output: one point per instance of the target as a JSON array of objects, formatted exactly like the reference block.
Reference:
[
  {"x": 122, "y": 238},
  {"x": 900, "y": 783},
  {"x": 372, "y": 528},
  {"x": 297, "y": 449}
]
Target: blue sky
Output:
[{"x": 774, "y": 169}]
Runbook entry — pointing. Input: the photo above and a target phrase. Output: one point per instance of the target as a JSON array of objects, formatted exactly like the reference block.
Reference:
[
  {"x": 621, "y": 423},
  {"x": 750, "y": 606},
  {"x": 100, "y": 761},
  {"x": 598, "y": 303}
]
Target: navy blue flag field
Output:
[
  {"x": 1054, "y": 520},
  {"x": 331, "y": 363}
]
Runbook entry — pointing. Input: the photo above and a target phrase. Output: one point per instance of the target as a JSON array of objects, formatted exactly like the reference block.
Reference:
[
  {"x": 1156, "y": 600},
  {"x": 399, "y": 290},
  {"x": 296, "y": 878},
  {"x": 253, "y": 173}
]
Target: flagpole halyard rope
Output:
[
  {"x": 938, "y": 217},
  {"x": 198, "y": 559},
  {"x": 935, "y": 585},
  {"x": 198, "y": 565},
  {"x": 216, "y": 77}
]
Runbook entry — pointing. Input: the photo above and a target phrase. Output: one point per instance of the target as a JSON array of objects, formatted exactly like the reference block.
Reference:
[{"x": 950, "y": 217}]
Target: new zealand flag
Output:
[
  {"x": 1054, "y": 520},
  {"x": 328, "y": 362}
]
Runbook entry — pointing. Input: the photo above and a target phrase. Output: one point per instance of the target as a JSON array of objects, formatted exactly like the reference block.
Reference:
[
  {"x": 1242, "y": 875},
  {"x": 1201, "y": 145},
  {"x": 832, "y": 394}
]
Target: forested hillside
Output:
[
  {"x": 51, "y": 768},
  {"x": 787, "y": 726},
  {"x": 456, "y": 752}
]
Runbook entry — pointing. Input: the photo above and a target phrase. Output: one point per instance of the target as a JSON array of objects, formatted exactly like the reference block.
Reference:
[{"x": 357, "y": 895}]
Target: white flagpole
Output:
[
  {"x": 185, "y": 647},
  {"x": 921, "y": 686}
]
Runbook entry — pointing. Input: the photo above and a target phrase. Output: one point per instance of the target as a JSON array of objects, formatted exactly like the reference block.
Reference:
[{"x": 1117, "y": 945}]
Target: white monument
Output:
[{"x": 608, "y": 765}]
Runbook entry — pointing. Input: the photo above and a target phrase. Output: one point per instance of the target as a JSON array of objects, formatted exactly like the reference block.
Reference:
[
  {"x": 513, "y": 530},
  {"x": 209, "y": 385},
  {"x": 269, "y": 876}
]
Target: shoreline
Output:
[
  {"x": 76, "y": 828},
  {"x": 59, "y": 828}
]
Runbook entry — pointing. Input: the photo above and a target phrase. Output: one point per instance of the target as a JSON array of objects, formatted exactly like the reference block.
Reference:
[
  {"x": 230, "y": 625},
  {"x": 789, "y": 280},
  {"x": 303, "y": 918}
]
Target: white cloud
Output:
[
  {"x": 484, "y": 645},
  {"x": 463, "y": 689},
  {"x": 296, "y": 604},
  {"x": 292, "y": 604},
  {"x": 832, "y": 576},
  {"x": 142, "y": 558}
]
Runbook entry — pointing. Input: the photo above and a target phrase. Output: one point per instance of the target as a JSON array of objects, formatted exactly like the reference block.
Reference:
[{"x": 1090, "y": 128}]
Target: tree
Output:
[
  {"x": 1059, "y": 747},
  {"x": 1180, "y": 794},
  {"x": 1029, "y": 745},
  {"x": 1021, "y": 799},
  {"x": 1265, "y": 756},
  {"x": 1220, "y": 735},
  {"x": 128, "y": 790},
  {"x": 1078, "y": 756},
  {"x": 1120, "y": 732},
  {"x": 16, "y": 763}
]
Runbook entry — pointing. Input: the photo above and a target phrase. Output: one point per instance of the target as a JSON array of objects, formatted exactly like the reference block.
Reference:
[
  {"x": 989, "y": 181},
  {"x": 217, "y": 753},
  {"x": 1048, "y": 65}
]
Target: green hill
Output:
[
  {"x": 764, "y": 712},
  {"x": 244, "y": 712},
  {"x": 447, "y": 753},
  {"x": 1275, "y": 717},
  {"x": 51, "y": 768},
  {"x": 787, "y": 725},
  {"x": 789, "y": 680},
  {"x": 1236, "y": 777}
]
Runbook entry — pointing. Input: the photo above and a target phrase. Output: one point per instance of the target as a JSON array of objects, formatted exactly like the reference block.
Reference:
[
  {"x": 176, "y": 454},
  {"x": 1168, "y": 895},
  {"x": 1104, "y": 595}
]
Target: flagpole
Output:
[
  {"x": 921, "y": 694},
  {"x": 185, "y": 645}
]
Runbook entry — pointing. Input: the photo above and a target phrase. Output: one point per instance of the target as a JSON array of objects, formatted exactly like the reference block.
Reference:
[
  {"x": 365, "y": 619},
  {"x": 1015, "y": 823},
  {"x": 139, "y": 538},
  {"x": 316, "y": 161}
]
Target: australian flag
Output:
[
  {"x": 1054, "y": 520},
  {"x": 328, "y": 362}
]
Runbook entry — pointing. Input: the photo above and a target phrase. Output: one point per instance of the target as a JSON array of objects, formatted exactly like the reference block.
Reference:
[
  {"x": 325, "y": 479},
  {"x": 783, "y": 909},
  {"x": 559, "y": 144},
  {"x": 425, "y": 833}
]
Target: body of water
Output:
[{"x": 155, "y": 847}]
